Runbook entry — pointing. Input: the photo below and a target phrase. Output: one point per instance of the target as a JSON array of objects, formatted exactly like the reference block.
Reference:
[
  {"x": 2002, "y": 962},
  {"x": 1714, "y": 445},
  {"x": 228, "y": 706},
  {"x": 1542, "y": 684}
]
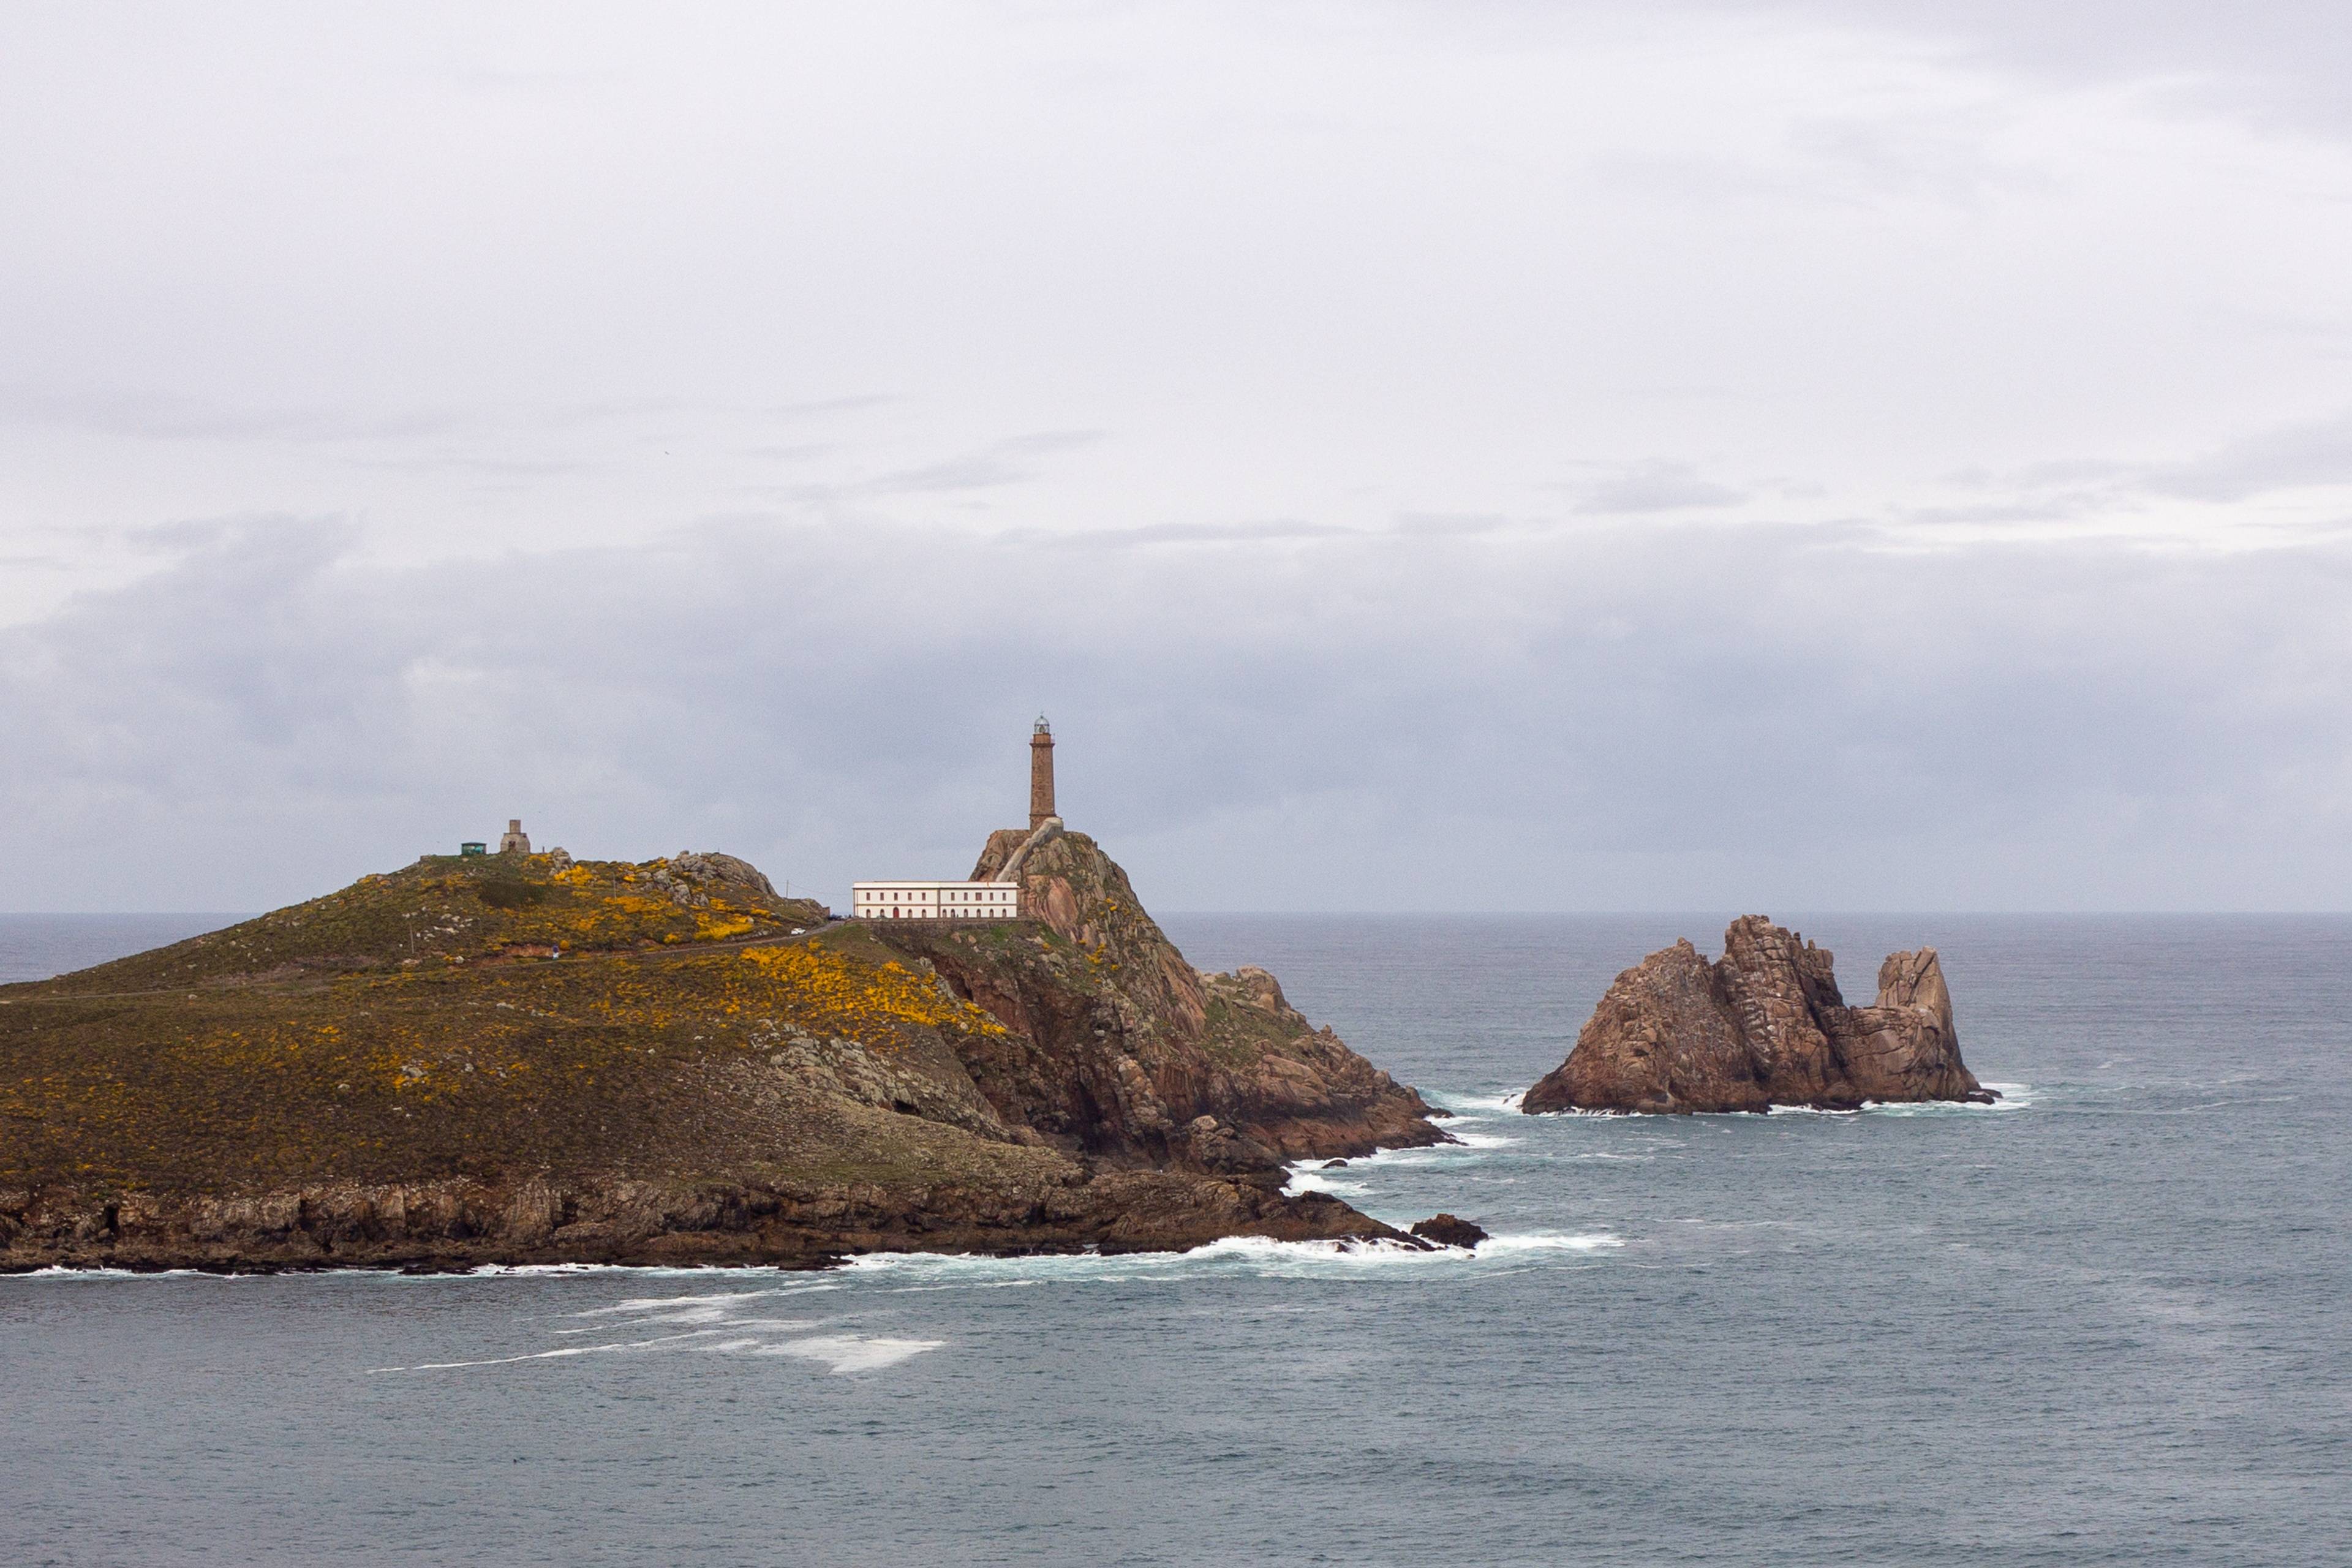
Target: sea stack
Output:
[{"x": 1762, "y": 1025}]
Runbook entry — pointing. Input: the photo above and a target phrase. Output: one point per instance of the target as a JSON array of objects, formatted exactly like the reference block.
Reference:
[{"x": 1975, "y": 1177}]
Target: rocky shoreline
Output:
[{"x": 452, "y": 1227}]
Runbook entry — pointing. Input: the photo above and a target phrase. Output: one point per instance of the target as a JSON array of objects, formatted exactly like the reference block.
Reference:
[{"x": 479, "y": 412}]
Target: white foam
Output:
[
  {"x": 707, "y": 1300},
  {"x": 1315, "y": 1182},
  {"x": 975, "y": 1271},
  {"x": 1254, "y": 1256},
  {"x": 2013, "y": 1096},
  {"x": 710, "y": 1315},
  {"x": 62, "y": 1271},
  {"x": 1265, "y": 1254},
  {"x": 840, "y": 1353},
  {"x": 1466, "y": 1147},
  {"x": 1460, "y": 1103},
  {"x": 395, "y": 1277},
  {"x": 555, "y": 1354},
  {"x": 968, "y": 1285},
  {"x": 650, "y": 1270},
  {"x": 1240, "y": 1254},
  {"x": 496, "y": 1271},
  {"x": 1590, "y": 1241},
  {"x": 1261, "y": 1256},
  {"x": 852, "y": 1353}
]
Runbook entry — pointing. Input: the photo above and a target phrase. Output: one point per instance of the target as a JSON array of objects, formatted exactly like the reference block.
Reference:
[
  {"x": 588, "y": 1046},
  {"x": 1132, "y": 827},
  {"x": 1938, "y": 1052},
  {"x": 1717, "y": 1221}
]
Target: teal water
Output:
[{"x": 2105, "y": 1322}]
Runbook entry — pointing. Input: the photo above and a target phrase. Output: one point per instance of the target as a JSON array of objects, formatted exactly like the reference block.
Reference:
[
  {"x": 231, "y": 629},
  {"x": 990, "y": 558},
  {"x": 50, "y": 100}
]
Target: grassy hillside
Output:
[
  {"x": 523, "y": 1058},
  {"x": 449, "y": 910},
  {"x": 416, "y": 1025}
]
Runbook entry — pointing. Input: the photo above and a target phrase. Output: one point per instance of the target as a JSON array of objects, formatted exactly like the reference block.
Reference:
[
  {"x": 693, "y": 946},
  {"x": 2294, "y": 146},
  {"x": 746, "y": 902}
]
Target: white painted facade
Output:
[{"x": 935, "y": 900}]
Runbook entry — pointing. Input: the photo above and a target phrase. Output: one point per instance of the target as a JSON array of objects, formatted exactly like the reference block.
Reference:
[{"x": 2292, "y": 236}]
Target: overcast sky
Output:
[{"x": 1463, "y": 456}]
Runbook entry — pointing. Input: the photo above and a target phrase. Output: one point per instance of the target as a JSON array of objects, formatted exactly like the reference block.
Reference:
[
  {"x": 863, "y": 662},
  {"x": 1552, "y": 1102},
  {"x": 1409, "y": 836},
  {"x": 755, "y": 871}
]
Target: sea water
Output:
[{"x": 2102, "y": 1321}]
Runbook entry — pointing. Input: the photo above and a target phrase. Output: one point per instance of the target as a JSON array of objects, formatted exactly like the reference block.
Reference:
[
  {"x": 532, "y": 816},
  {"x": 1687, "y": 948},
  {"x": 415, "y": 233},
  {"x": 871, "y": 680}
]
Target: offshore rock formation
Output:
[
  {"x": 536, "y": 1059},
  {"x": 1762, "y": 1025},
  {"x": 1449, "y": 1230}
]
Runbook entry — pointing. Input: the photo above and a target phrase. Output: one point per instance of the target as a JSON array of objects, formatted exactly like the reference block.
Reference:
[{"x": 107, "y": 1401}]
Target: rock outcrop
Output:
[
  {"x": 1449, "y": 1230},
  {"x": 698, "y": 868},
  {"x": 1762, "y": 1025},
  {"x": 1114, "y": 1047},
  {"x": 535, "y": 1060}
]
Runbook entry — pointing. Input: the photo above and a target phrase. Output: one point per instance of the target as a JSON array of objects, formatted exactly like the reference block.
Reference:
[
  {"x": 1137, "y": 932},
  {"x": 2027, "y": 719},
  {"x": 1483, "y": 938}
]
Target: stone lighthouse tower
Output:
[{"x": 1041, "y": 774}]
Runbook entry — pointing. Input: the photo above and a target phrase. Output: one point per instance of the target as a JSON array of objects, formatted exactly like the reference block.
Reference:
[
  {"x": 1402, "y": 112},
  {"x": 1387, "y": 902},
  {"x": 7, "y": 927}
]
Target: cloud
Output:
[
  {"x": 1627, "y": 717},
  {"x": 2313, "y": 454},
  {"x": 1510, "y": 455},
  {"x": 1655, "y": 486},
  {"x": 2283, "y": 62},
  {"x": 155, "y": 416},
  {"x": 2306, "y": 455},
  {"x": 1193, "y": 533},
  {"x": 1010, "y": 461}
]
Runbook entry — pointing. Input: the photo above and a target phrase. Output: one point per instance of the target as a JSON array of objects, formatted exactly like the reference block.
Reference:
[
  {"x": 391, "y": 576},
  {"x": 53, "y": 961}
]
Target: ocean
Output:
[{"x": 2109, "y": 1320}]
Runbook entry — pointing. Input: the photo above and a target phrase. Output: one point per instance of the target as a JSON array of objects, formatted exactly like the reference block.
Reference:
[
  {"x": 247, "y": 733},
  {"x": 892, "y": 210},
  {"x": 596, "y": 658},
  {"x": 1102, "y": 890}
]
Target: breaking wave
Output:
[
  {"x": 1590, "y": 1241},
  {"x": 1315, "y": 1181},
  {"x": 1472, "y": 1104},
  {"x": 1254, "y": 1256},
  {"x": 2013, "y": 1096}
]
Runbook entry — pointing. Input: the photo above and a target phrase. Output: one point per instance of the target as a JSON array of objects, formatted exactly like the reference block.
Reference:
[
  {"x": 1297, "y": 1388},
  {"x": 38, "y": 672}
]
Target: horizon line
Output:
[{"x": 234, "y": 915}]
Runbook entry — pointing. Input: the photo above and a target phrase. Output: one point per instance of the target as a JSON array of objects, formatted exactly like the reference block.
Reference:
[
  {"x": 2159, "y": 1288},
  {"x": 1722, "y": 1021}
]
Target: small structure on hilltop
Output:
[
  {"x": 514, "y": 841},
  {"x": 999, "y": 899},
  {"x": 471, "y": 847}
]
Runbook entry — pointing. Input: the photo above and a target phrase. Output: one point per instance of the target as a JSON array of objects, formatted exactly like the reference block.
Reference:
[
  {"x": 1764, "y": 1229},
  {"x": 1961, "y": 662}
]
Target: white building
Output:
[{"x": 936, "y": 900}]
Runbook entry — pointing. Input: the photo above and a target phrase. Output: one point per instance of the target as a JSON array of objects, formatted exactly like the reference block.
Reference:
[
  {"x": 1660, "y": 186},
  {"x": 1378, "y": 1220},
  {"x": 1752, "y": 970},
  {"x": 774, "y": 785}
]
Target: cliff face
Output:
[
  {"x": 1114, "y": 1047},
  {"x": 406, "y": 1073},
  {"x": 1762, "y": 1025}
]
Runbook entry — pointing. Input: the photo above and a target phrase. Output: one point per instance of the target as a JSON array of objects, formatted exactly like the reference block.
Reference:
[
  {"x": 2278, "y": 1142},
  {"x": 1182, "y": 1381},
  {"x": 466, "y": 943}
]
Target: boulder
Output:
[
  {"x": 1446, "y": 1230},
  {"x": 708, "y": 866},
  {"x": 1762, "y": 1025}
]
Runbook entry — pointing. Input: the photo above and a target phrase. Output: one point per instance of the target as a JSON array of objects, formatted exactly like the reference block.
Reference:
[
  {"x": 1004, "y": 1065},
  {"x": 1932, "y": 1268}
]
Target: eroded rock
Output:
[
  {"x": 1762, "y": 1025},
  {"x": 1665, "y": 1038}
]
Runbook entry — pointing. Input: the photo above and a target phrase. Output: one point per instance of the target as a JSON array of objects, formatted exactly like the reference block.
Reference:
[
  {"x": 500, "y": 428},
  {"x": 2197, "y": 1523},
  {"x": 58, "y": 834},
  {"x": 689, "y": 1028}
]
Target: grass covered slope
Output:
[
  {"x": 449, "y": 910},
  {"x": 404, "y": 1073}
]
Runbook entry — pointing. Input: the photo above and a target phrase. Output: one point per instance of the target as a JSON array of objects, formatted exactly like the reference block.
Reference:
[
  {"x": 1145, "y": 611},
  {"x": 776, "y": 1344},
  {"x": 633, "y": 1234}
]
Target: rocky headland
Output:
[
  {"x": 1762, "y": 1025},
  {"x": 529, "y": 1060}
]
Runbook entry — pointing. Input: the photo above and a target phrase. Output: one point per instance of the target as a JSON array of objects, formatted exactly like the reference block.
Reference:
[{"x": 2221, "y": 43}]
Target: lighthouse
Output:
[{"x": 1041, "y": 774}]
